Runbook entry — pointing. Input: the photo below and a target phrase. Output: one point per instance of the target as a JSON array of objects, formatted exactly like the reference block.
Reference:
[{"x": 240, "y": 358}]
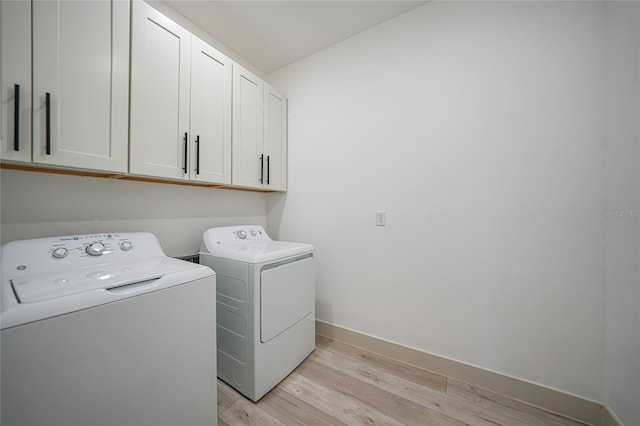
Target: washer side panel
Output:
[{"x": 146, "y": 360}]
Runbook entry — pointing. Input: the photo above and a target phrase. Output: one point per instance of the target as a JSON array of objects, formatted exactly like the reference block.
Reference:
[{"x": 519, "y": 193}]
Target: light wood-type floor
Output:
[{"x": 340, "y": 384}]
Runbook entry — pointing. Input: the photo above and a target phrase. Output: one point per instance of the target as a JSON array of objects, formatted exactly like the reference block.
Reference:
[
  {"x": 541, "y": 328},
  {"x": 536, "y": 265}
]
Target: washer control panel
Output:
[
  {"x": 43, "y": 255},
  {"x": 90, "y": 245}
]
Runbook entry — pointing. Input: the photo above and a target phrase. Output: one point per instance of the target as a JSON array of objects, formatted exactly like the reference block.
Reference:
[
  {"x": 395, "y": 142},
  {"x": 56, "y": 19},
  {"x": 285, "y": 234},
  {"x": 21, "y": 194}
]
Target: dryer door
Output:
[{"x": 287, "y": 295}]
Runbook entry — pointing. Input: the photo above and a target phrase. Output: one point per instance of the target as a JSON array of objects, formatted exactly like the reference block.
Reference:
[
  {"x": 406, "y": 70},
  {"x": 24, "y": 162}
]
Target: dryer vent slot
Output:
[{"x": 193, "y": 258}]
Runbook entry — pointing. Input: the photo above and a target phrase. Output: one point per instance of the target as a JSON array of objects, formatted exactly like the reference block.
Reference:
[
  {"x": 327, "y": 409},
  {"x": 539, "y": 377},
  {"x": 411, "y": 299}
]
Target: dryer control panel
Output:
[
  {"x": 237, "y": 236},
  {"x": 250, "y": 233},
  {"x": 248, "y": 243}
]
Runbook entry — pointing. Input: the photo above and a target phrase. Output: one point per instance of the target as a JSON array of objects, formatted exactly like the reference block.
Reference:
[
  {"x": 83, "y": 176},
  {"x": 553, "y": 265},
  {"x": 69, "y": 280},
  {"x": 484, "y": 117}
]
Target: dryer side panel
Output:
[
  {"x": 235, "y": 316},
  {"x": 287, "y": 296}
]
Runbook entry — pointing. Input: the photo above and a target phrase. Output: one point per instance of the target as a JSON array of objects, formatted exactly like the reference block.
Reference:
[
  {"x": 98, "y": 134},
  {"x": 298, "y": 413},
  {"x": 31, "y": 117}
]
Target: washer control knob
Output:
[
  {"x": 95, "y": 249},
  {"x": 242, "y": 234},
  {"x": 60, "y": 252},
  {"x": 252, "y": 232},
  {"x": 126, "y": 246}
]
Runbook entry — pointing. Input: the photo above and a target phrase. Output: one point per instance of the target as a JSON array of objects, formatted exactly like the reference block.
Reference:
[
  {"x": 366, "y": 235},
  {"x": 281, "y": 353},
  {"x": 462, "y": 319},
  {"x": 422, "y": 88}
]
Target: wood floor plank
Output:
[
  {"x": 350, "y": 366},
  {"x": 336, "y": 404},
  {"x": 226, "y": 396},
  {"x": 245, "y": 412},
  {"x": 418, "y": 375},
  {"x": 497, "y": 402},
  {"x": 341, "y": 384},
  {"x": 293, "y": 411},
  {"x": 445, "y": 404},
  {"x": 402, "y": 410}
]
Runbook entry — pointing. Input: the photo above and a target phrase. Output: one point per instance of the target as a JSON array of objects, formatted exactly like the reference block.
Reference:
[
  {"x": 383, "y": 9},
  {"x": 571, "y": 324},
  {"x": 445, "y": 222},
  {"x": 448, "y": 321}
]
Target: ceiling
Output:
[{"x": 273, "y": 34}]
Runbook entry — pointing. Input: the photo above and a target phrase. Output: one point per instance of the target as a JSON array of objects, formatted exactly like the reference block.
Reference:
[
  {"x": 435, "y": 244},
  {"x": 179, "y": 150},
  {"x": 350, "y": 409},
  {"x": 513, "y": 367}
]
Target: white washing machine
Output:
[
  {"x": 265, "y": 306},
  {"x": 105, "y": 330}
]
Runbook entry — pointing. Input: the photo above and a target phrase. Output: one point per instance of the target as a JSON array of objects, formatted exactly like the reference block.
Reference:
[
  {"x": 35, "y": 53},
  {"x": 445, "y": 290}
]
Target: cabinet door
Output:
[
  {"x": 248, "y": 156},
  {"x": 275, "y": 139},
  {"x": 210, "y": 114},
  {"x": 81, "y": 83},
  {"x": 160, "y": 73},
  {"x": 15, "y": 67}
]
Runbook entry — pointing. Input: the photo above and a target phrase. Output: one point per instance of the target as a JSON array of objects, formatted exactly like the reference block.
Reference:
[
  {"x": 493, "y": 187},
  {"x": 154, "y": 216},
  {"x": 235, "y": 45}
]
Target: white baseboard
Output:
[
  {"x": 568, "y": 405},
  {"x": 609, "y": 418}
]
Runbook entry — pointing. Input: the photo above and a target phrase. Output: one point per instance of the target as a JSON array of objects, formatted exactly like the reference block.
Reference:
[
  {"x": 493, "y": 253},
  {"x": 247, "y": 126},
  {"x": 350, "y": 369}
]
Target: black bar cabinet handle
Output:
[
  {"x": 262, "y": 168},
  {"x": 186, "y": 151},
  {"x": 268, "y": 170},
  {"x": 16, "y": 118},
  {"x": 198, "y": 154},
  {"x": 48, "y": 123}
]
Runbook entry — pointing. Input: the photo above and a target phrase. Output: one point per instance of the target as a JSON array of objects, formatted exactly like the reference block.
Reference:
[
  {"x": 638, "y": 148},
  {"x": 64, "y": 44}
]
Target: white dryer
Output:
[
  {"x": 265, "y": 306},
  {"x": 105, "y": 330}
]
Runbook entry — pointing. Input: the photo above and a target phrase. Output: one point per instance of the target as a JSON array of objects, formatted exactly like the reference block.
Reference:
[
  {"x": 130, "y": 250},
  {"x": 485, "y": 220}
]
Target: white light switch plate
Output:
[{"x": 381, "y": 218}]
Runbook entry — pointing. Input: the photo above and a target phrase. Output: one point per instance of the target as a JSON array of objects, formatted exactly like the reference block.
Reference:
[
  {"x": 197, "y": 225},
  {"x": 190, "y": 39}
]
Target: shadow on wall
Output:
[
  {"x": 36, "y": 205},
  {"x": 275, "y": 210},
  {"x": 324, "y": 311}
]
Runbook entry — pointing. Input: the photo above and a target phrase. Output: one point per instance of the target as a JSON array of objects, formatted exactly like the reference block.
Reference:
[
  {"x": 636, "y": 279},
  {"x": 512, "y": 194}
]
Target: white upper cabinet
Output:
[
  {"x": 259, "y": 133},
  {"x": 211, "y": 74},
  {"x": 160, "y": 80},
  {"x": 15, "y": 67},
  {"x": 189, "y": 112},
  {"x": 248, "y": 136},
  {"x": 275, "y": 139},
  {"x": 81, "y": 83},
  {"x": 180, "y": 102}
]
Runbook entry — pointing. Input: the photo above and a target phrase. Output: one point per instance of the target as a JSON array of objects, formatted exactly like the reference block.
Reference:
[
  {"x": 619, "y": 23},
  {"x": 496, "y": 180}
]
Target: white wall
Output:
[
  {"x": 478, "y": 127},
  {"x": 622, "y": 380},
  {"x": 37, "y": 205}
]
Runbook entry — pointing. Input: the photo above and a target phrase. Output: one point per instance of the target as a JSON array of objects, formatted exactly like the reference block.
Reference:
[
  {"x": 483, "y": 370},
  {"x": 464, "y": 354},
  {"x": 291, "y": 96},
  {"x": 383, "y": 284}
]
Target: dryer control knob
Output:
[
  {"x": 95, "y": 249},
  {"x": 242, "y": 234},
  {"x": 126, "y": 246},
  {"x": 60, "y": 252}
]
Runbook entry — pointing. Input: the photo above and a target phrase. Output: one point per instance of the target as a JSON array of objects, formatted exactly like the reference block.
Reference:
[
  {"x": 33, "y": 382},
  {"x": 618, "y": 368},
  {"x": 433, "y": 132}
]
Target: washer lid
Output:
[
  {"x": 249, "y": 244},
  {"x": 36, "y": 288}
]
